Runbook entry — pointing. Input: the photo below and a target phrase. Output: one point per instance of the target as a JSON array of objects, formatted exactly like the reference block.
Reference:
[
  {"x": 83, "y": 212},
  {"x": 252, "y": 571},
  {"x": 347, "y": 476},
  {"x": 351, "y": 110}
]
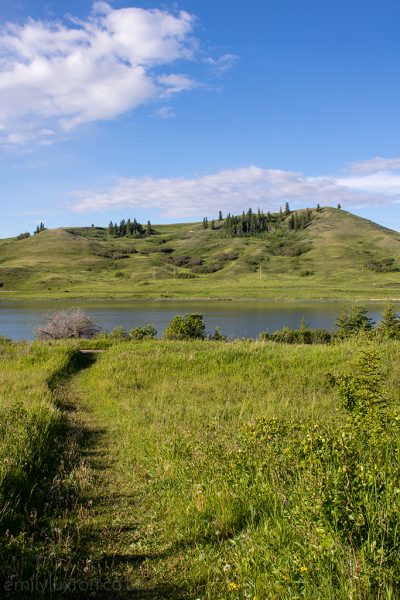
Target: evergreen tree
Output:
[
  {"x": 318, "y": 208},
  {"x": 353, "y": 321},
  {"x": 287, "y": 209},
  {"x": 389, "y": 326},
  {"x": 220, "y": 216},
  {"x": 149, "y": 230},
  {"x": 339, "y": 206},
  {"x": 205, "y": 223},
  {"x": 213, "y": 224}
]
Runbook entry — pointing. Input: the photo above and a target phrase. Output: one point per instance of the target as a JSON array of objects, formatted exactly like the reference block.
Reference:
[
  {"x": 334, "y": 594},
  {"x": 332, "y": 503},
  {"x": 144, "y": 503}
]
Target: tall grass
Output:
[
  {"x": 228, "y": 453},
  {"x": 33, "y": 460}
]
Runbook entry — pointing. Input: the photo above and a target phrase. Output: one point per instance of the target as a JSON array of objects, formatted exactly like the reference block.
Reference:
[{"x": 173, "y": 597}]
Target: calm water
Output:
[{"x": 18, "y": 318}]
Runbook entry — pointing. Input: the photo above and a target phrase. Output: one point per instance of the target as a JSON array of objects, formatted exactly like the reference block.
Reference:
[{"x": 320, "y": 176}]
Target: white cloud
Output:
[
  {"x": 58, "y": 75},
  {"x": 372, "y": 165},
  {"x": 222, "y": 63},
  {"x": 236, "y": 189},
  {"x": 164, "y": 112}
]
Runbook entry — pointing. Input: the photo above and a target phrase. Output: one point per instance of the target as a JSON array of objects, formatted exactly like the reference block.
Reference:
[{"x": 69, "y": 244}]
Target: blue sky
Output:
[{"x": 171, "y": 111}]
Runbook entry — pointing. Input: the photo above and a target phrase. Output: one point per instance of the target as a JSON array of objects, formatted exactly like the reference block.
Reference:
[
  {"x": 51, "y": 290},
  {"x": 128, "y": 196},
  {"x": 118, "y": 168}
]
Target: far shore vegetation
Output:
[{"x": 313, "y": 253}]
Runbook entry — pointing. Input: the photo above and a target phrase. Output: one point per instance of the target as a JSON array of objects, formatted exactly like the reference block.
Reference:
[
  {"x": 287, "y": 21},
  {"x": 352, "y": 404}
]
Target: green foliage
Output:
[
  {"x": 389, "y": 326},
  {"x": 81, "y": 262},
  {"x": 353, "y": 321},
  {"x": 147, "y": 332},
  {"x": 361, "y": 390},
  {"x": 188, "y": 327},
  {"x": 23, "y": 236},
  {"x": 386, "y": 265},
  {"x": 37, "y": 457},
  {"x": 129, "y": 229},
  {"x": 251, "y": 223},
  {"x": 303, "y": 335},
  {"x": 339, "y": 484},
  {"x": 218, "y": 336},
  {"x": 119, "y": 333}
]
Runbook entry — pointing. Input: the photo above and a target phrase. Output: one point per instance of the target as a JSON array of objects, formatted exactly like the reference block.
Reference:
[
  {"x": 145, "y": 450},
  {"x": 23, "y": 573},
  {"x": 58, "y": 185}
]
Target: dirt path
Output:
[{"x": 112, "y": 521}]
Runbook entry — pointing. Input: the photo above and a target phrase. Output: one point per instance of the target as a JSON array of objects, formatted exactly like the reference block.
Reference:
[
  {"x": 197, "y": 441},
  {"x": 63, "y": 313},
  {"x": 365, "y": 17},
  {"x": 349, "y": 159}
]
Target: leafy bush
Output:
[
  {"x": 210, "y": 268},
  {"x": 382, "y": 266},
  {"x": 188, "y": 327},
  {"x": 218, "y": 336},
  {"x": 303, "y": 335},
  {"x": 148, "y": 332},
  {"x": 119, "y": 333},
  {"x": 23, "y": 236},
  {"x": 68, "y": 324},
  {"x": 227, "y": 256}
]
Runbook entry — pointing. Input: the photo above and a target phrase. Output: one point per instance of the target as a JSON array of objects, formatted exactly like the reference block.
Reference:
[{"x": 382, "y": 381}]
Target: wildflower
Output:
[
  {"x": 303, "y": 569},
  {"x": 233, "y": 586}
]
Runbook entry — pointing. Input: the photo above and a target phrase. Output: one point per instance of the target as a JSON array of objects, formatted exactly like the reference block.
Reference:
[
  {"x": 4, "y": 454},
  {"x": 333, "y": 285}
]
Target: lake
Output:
[{"x": 237, "y": 319}]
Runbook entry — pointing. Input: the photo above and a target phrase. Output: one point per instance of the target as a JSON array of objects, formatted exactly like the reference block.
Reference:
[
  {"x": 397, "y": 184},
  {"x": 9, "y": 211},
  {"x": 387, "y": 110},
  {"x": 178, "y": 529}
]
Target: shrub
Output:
[
  {"x": 119, "y": 333},
  {"x": 227, "y": 256},
  {"x": 148, "y": 332},
  {"x": 218, "y": 336},
  {"x": 382, "y": 266},
  {"x": 389, "y": 326},
  {"x": 303, "y": 335},
  {"x": 68, "y": 324},
  {"x": 185, "y": 276},
  {"x": 187, "y": 327},
  {"x": 211, "y": 268},
  {"x": 353, "y": 321}
]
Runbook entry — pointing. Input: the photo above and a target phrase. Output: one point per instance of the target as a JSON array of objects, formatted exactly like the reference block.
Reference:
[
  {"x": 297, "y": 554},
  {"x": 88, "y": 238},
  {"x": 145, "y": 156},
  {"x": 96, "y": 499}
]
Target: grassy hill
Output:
[{"x": 338, "y": 255}]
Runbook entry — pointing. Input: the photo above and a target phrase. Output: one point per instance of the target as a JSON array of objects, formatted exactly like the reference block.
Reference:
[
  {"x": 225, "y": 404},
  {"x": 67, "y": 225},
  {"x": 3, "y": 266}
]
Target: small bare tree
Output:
[{"x": 68, "y": 324}]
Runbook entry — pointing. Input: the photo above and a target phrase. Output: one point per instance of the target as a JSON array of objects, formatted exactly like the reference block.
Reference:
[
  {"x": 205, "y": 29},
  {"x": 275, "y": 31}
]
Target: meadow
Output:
[
  {"x": 203, "y": 469},
  {"x": 336, "y": 256}
]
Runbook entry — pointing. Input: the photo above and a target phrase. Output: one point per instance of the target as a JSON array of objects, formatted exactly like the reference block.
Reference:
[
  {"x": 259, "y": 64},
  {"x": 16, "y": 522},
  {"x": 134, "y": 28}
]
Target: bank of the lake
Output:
[{"x": 237, "y": 319}]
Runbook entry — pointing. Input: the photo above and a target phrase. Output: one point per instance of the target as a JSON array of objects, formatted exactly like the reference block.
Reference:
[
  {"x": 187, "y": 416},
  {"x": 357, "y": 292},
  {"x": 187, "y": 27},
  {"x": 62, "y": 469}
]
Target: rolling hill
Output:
[{"x": 337, "y": 255}]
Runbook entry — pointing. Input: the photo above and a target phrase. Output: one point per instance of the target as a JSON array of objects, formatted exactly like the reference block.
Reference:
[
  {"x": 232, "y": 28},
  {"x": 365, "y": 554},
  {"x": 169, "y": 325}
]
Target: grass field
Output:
[
  {"x": 331, "y": 258},
  {"x": 171, "y": 493}
]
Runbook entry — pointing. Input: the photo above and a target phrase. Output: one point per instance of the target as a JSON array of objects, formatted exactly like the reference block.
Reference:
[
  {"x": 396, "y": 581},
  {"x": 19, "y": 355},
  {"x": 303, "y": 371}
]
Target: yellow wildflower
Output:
[
  {"x": 233, "y": 586},
  {"x": 303, "y": 569}
]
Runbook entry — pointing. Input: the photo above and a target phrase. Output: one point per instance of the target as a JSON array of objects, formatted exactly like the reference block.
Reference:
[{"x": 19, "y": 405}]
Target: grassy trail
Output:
[{"x": 114, "y": 559}]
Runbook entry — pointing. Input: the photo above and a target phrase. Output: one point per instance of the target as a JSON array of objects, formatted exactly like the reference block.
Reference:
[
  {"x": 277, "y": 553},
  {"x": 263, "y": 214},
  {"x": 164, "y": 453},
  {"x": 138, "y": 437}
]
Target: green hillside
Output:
[{"x": 337, "y": 255}]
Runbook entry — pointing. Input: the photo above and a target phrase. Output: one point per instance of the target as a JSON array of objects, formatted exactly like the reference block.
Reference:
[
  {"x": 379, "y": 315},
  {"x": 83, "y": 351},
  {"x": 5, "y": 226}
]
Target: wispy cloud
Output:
[
  {"x": 56, "y": 75},
  {"x": 236, "y": 189},
  {"x": 222, "y": 63},
  {"x": 164, "y": 112},
  {"x": 373, "y": 165}
]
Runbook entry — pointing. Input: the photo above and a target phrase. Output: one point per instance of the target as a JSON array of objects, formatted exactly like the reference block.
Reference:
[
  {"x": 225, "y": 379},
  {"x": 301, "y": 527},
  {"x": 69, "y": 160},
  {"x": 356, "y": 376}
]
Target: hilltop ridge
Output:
[{"x": 335, "y": 255}]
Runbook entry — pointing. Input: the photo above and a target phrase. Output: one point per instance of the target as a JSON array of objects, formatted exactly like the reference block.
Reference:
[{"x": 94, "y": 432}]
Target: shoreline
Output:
[{"x": 195, "y": 299}]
